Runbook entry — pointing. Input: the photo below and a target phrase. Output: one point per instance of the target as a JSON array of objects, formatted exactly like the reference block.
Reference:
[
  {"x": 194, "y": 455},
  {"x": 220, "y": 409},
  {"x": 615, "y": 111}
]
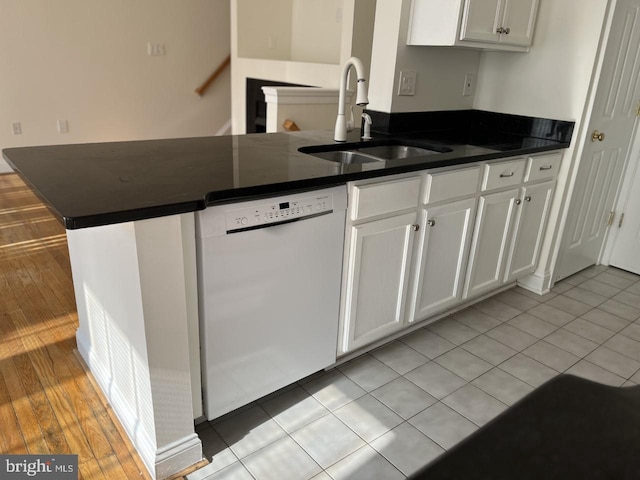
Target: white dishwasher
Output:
[{"x": 269, "y": 274}]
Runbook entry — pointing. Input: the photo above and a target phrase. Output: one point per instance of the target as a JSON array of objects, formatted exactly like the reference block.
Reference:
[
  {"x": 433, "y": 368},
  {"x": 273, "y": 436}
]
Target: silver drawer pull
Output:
[
  {"x": 527, "y": 198},
  {"x": 431, "y": 222},
  {"x": 547, "y": 167},
  {"x": 504, "y": 175},
  {"x": 415, "y": 227},
  {"x": 518, "y": 201}
]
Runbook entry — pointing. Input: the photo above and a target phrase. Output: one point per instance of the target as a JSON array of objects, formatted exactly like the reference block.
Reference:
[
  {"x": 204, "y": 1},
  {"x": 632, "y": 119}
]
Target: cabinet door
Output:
[
  {"x": 490, "y": 243},
  {"x": 519, "y": 18},
  {"x": 480, "y": 20},
  {"x": 529, "y": 229},
  {"x": 443, "y": 254},
  {"x": 377, "y": 279}
]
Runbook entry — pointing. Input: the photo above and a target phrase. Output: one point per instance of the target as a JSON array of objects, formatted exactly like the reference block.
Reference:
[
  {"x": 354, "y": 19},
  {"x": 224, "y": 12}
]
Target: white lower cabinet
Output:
[
  {"x": 442, "y": 252},
  {"x": 379, "y": 261},
  {"x": 529, "y": 230},
  {"x": 491, "y": 238},
  {"x": 417, "y": 246}
]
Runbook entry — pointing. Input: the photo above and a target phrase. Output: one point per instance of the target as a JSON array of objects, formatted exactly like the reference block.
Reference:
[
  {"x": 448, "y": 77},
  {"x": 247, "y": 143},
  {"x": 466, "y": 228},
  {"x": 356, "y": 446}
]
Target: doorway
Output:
[{"x": 611, "y": 126}]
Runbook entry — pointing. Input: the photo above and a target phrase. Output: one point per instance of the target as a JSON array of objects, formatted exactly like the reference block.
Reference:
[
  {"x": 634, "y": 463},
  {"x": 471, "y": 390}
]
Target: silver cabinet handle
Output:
[
  {"x": 506, "y": 31},
  {"x": 499, "y": 30},
  {"x": 431, "y": 222},
  {"x": 518, "y": 201},
  {"x": 546, "y": 167},
  {"x": 527, "y": 198},
  {"x": 504, "y": 175},
  {"x": 415, "y": 227}
]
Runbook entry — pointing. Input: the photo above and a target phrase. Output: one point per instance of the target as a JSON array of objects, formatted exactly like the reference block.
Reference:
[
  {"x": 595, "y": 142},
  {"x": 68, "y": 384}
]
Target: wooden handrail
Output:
[
  {"x": 290, "y": 126},
  {"x": 203, "y": 88}
]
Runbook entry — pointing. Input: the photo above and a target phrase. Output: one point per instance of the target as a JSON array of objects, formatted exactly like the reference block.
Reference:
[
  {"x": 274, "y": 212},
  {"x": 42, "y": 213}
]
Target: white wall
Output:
[
  {"x": 353, "y": 38},
  {"x": 440, "y": 71},
  {"x": 553, "y": 80},
  {"x": 296, "y": 30},
  {"x": 316, "y": 30},
  {"x": 86, "y": 61},
  {"x": 264, "y": 29}
]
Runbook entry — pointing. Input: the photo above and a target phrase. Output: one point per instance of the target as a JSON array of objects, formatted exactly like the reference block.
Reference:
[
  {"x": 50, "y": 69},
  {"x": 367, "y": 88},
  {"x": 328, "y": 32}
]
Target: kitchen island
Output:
[
  {"x": 128, "y": 209},
  {"x": 88, "y": 185}
]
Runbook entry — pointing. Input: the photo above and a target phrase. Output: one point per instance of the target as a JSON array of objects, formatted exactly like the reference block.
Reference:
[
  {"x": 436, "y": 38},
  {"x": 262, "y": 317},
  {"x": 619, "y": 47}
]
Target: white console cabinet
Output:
[{"x": 487, "y": 24}]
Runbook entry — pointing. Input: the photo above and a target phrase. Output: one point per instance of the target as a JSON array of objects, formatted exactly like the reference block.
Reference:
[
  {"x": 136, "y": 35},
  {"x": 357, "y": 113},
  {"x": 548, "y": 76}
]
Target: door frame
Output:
[
  {"x": 630, "y": 170},
  {"x": 582, "y": 138}
]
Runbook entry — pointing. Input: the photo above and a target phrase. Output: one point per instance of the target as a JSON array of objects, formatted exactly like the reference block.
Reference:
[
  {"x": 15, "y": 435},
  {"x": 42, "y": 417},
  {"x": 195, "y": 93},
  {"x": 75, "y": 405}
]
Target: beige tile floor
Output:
[{"x": 387, "y": 413}]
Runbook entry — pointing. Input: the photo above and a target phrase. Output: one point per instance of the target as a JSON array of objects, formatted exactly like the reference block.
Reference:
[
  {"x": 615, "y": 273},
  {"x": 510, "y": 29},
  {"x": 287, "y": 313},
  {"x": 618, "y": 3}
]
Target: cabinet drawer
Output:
[
  {"x": 449, "y": 185},
  {"x": 543, "y": 166},
  {"x": 503, "y": 174},
  {"x": 385, "y": 197}
]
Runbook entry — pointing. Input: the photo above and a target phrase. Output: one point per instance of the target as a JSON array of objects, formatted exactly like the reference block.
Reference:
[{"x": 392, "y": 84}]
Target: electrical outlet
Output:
[
  {"x": 16, "y": 128},
  {"x": 407, "y": 83},
  {"x": 155, "y": 49},
  {"x": 469, "y": 85},
  {"x": 63, "y": 126}
]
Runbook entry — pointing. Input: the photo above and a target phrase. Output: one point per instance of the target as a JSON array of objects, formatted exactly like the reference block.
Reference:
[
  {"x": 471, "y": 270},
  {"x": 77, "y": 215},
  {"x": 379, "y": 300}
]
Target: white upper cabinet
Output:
[
  {"x": 518, "y": 22},
  {"x": 487, "y": 24},
  {"x": 481, "y": 20}
]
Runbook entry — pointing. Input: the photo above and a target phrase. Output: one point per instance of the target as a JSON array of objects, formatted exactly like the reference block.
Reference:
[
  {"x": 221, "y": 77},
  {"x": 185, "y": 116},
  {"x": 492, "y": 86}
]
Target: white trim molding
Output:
[
  {"x": 303, "y": 95},
  {"x": 538, "y": 282}
]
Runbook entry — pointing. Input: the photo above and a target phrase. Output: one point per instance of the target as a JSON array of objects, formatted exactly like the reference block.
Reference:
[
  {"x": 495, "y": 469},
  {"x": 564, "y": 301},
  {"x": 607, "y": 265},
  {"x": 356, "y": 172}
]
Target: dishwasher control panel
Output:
[{"x": 281, "y": 210}]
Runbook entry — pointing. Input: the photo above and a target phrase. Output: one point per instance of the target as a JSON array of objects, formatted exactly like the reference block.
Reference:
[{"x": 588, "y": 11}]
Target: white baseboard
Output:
[
  {"x": 177, "y": 456},
  {"x": 539, "y": 283},
  {"x": 160, "y": 462}
]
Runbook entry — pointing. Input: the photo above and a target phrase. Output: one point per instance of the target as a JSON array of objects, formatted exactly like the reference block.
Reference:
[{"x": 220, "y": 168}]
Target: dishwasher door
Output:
[{"x": 269, "y": 297}]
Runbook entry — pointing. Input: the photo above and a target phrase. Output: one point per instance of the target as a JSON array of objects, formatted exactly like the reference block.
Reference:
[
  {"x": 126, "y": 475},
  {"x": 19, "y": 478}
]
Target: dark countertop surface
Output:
[{"x": 103, "y": 183}]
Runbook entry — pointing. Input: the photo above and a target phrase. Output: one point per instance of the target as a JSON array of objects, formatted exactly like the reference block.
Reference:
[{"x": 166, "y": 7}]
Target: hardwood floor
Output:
[{"x": 48, "y": 400}]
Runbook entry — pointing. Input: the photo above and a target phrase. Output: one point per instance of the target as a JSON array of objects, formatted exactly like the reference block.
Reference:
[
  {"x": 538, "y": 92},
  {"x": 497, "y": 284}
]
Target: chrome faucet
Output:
[{"x": 340, "y": 134}]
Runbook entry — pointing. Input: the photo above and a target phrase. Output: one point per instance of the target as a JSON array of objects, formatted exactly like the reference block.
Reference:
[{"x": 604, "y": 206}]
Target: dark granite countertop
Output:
[{"x": 96, "y": 184}]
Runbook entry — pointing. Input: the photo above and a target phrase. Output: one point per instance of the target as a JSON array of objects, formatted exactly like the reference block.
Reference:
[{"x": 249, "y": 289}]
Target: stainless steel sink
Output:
[
  {"x": 394, "y": 152},
  {"x": 347, "y": 157},
  {"x": 359, "y": 153}
]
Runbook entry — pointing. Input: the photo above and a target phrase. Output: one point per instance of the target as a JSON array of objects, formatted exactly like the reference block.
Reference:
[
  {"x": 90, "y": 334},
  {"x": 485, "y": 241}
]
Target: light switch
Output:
[
  {"x": 407, "y": 83},
  {"x": 155, "y": 49},
  {"x": 63, "y": 126}
]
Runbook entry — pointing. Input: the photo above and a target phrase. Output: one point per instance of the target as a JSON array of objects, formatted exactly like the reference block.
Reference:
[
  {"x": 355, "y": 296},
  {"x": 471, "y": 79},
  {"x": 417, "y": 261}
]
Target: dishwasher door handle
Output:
[{"x": 282, "y": 222}]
